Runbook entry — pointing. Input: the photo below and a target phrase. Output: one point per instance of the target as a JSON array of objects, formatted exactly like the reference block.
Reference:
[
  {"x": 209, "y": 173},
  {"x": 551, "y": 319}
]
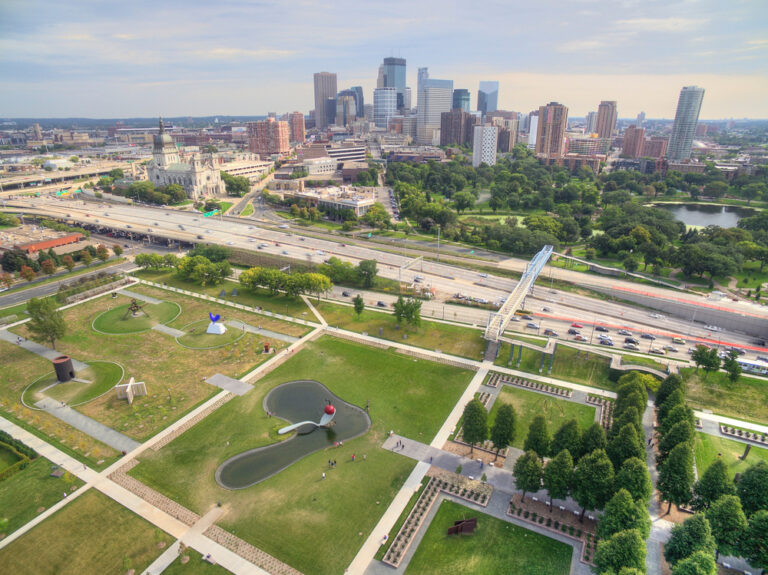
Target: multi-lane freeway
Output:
[{"x": 550, "y": 308}]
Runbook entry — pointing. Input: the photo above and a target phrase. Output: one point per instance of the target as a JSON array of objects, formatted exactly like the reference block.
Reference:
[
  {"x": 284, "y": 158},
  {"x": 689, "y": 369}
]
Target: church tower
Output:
[{"x": 164, "y": 150}]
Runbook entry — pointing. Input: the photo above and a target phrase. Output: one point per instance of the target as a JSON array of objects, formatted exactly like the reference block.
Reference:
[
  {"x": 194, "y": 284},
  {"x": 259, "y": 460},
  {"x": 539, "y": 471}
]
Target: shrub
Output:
[{"x": 526, "y": 514}]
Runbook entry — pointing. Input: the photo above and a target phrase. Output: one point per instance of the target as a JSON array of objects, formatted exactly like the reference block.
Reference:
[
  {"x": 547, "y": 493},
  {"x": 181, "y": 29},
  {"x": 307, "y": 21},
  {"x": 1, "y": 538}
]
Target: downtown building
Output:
[
  {"x": 606, "y": 119},
  {"x": 384, "y": 106},
  {"x": 550, "y": 137},
  {"x": 461, "y": 99},
  {"x": 684, "y": 127},
  {"x": 346, "y": 108},
  {"x": 488, "y": 97},
  {"x": 434, "y": 98},
  {"x": 457, "y": 127},
  {"x": 297, "y": 128},
  {"x": 392, "y": 75},
  {"x": 269, "y": 137},
  {"x": 325, "y": 89}
]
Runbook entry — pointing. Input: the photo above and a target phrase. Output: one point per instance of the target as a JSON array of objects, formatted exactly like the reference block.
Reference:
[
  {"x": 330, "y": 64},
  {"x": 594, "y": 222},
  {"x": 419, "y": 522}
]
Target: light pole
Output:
[{"x": 438, "y": 242}]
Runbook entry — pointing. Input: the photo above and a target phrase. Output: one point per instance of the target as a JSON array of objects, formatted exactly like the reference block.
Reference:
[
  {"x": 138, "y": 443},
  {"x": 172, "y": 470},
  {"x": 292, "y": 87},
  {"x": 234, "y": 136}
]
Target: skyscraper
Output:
[
  {"x": 461, "y": 99},
  {"x": 484, "y": 145},
  {"x": 407, "y": 99},
  {"x": 686, "y": 117},
  {"x": 553, "y": 119},
  {"x": 435, "y": 97},
  {"x": 296, "y": 125},
  {"x": 359, "y": 101},
  {"x": 640, "y": 119},
  {"x": 456, "y": 127},
  {"x": 394, "y": 77},
  {"x": 533, "y": 129},
  {"x": 488, "y": 97},
  {"x": 325, "y": 87},
  {"x": 423, "y": 75},
  {"x": 384, "y": 106},
  {"x": 591, "y": 123},
  {"x": 346, "y": 110},
  {"x": 606, "y": 118}
]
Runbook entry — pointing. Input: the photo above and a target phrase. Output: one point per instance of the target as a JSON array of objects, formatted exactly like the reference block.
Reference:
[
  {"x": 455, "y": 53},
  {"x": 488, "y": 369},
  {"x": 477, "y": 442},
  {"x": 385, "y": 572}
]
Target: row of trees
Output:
[
  {"x": 47, "y": 262},
  {"x": 145, "y": 191},
  {"x": 344, "y": 273},
  {"x": 292, "y": 284}
]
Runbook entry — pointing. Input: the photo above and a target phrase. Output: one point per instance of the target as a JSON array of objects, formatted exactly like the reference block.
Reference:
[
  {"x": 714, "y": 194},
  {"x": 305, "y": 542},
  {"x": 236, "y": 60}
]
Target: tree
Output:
[
  {"x": 6, "y": 279},
  {"x": 68, "y": 262},
  {"x": 593, "y": 481},
  {"x": 668, "y": 385},
  {"x": 712, "y": 485},
  {"x": 117, "y": 249},
  {"x": 673, "y": 400},
  {"x": 706, "y": 358},
  {"x": 621, "y": 513},
  {"x": 630, "y": 264},
  {"x": 752, "y": 488},
  {"x": 503, "y": 429},
  {"x": 676, "y": 476},
  {"x": 680, "y": 432},
  {"x": 558, "y": 476},
  {"x": 754, "y": 544},
  {"x": 567, "y": 437},
  {"x": 624, "y": 445},
  {"x": 475, "y": 426},
  {"x": 398, "y": 309},
  {"x": 728, "y": 524},
  {"x": 678, "y": 413},
  {"x": 377, "y": 215},
  {"x": 366, "y": 272},
  {"x": 629, "y": 416},
  {"x": 633, "y": 476},
  {"x": 528, "y": 472},
  {"x": 699, "y": 563},
  {"x": 593, "y": 438},
  {"x": 623, "y": 549},
  {"x": 538, "y": 437},
  {"x": 13, "y": 260},
  {"x": 212, "y": 252},
  {"x": 27, "y": 273},
  {"x": 46, "y": 323},
  {"x": 358, "y": 304},
  {"x": 412, "y": 312},
  {"x": 463, "y": 201},
  {"x": 48, "y": 266},
  {"x": 86, "y": 257},
  {"x": 102, "y": 253},
  {"x": 731, "y": 365},
  {"x": 694, "y": 534}
]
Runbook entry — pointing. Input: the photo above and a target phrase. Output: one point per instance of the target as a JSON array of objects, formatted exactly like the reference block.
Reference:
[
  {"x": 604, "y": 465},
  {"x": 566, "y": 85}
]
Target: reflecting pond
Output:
[
  {"x": 704, "y": 215},
  {"x": 294, "y": 401}
]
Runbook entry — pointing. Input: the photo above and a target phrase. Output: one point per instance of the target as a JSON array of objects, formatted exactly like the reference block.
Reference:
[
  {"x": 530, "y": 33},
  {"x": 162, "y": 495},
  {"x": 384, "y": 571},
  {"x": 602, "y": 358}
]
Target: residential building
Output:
[
  {"x": 508, "y": 125},
  {"x": 488, "y": 97},
  {"x": 394, "y": 77},
  {"x": 435, "y": 97},
  {"x": 384, "y": 106},
  {"x": 550, "y": 140},
  {"x": 484, "y": 145},
  {"x": 269, "y": 137},
  {"x": 456, "y": 127},
  {"x": 640, "y": 119},
  {"x": 297, "y": 128},
  {"x": 655, "y": 147},
  {"x": 606, "y": 119},
  {"x": 634, "y": 138},
  {"x": 589, "y": 145},
  {"x": 461, "y": 99},
  {"x": 533, "y": 129},
  {"x": 346, "y": 110},
  {"x": 325, "y": 87},
  {"x": 590, "y": 126},
  {"x": 684, "y": 127}
]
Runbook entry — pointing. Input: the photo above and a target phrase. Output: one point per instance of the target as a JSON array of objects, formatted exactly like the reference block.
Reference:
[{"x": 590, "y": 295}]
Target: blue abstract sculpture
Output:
[
  {"x": 214, "y": 318},
  {"x": 213, "y": 327}
]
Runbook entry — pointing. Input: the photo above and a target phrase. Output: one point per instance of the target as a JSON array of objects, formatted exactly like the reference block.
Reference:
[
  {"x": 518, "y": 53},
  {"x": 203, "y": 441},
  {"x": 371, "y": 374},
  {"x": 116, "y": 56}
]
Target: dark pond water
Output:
[
  {"x": 703, "y": 215},
  {"x": 294, "y": 401}
]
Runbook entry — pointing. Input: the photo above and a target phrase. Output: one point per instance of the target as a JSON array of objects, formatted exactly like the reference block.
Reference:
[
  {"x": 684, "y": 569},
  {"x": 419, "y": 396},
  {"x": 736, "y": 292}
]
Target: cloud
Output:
[
  {"x": 581, "y": 46},
  {"x": 661, "y": 24},
  {"x": 244, "y": 54}
]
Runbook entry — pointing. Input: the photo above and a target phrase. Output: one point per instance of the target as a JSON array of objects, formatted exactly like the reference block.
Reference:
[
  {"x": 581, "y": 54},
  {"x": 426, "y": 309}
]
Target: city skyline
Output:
[{"x": 84, "y": 59}]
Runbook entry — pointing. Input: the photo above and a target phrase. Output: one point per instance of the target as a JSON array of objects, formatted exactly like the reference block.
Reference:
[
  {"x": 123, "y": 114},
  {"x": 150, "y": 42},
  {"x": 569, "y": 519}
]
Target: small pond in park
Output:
[
  {"x": 707, "y": 215},
  {"x": 295, "y": 401}
]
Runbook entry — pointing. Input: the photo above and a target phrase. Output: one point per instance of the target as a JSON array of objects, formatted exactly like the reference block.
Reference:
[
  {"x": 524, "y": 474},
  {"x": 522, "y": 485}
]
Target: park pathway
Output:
[
  {"x": 37, "y": 348},
  {"x": 237, "y": 324},
  {"x": 660, "y": 528},
  {"x": 140, "y": 296}
]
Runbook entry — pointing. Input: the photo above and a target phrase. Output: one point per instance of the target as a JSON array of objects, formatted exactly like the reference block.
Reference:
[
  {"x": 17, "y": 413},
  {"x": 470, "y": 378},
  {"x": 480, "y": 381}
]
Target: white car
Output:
[
  {"x": 657, "y": 316},
  {"x": 284, "y": 226}
]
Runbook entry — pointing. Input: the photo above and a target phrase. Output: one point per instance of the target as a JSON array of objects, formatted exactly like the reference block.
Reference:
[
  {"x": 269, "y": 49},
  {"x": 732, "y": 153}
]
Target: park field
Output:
[
  {"x": 411, "y": 397},
  {"x": 708, "y": 448},
  {"x": 746, "y": 399},
  {"x": 495, "y": 547}
]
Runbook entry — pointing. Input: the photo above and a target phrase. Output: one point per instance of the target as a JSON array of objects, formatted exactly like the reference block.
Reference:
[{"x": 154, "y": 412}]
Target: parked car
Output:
[
  {"x": 631, "y": 340},
  {"x": 647, "y": 336},
  {"x": 601, "y": 328}
]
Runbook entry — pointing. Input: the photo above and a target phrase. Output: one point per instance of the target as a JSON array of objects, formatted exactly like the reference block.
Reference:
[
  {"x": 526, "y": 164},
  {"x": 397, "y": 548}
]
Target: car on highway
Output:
[
  {"x": 129, "y": 226},
  {"x": 529, "y": 318},
  {"x": 671, "y": 348},
  {"x": 603, "y": 337},
  {"x": 532, "y": 325},
  {"x": 418, "y": 279},
  {"x": 284, "y": 226},
  {"x": 301, "y": 239},
  {"x": 737, "y": 350},
  {"x": 656, "y": 316},
  {"x": 631, "y": 340},
  {"x": 577, "y": 325},
  {"x": 631, "y": 346},
  {"x": 601, "y": 328},
  {"x": 381, "y": 304},
  {"x": 714, "y": 328},
  {"x": 606, "y": 342},
  {"x": 573, "y": 331},
  {"x": 656, "y": 350},
  {"x": 762, "y": 358},
  {"x": 546, "y": 309},
  {"x": 580, "y": 338},
  {"x": 483, "y": 275},
  {"x": 551, "y": 333},
  {"x": 678, "y": 340},
  {"x": 346, "y": 294},
  {"x": 230, "y": 243},
  {"x": 648, "y": 336},
  {"x": 515, "y": 318},
  {"x": 199, "y": 237},
  {"x": 251, "y": 240},
  {"x": 207, "y": 231},
  {"x": 624, "y": 332},
  {"x": 285, "y": 252}
]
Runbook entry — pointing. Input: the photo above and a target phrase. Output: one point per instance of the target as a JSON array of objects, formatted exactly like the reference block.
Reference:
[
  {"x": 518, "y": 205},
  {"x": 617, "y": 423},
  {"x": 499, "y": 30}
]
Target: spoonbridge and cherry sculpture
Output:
[{"x": 329, "y": 412}]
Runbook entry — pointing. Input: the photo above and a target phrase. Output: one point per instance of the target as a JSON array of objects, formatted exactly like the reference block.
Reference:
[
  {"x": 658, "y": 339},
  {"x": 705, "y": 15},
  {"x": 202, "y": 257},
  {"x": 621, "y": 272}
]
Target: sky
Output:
[{"x": 109, "y": 59}]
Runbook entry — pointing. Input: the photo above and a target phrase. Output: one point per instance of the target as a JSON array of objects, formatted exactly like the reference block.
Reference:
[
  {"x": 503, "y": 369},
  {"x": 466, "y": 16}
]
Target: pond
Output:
[
  {"x": 295, "y": 401},
  {"x": 706, "y": 215}
]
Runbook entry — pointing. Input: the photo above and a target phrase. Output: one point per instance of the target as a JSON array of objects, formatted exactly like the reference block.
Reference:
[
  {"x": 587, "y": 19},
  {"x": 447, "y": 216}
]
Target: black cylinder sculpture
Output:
[{"x": 64, "y": 368}]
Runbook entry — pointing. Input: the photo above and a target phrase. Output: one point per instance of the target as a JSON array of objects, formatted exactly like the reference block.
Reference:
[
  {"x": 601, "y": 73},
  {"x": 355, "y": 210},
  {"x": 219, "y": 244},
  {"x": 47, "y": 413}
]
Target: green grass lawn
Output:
[
  {"x": 119, "y": 320},
  {"x": 639, "y": 360},
  {"x": 225, "y": 206},
  {"x": 452, "y": 339},
  {"x": 92, "y": 534},
  {"x": 745, "y": 399},
  {"x": 410, "y": 397},
  {"x": 495, "y": 547},
  {"x": 247, "y": 210},
  {"x": 195, "y": 566},
  {"x": 197, "y": 337},
  {"x": 255, "y": 298},
  {"x": 750, "y": 276},
  {"x": 7, "y": 457},
  {"x": 102, "y": 375},
  {"x": 707, "y": 448},
  {"x": 529, "y": 404},
  {"x": 22, "y": 494}
]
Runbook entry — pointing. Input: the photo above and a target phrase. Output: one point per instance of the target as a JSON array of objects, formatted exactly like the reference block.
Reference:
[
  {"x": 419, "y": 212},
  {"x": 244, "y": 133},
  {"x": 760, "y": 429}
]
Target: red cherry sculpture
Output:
[{"x": 329, "y": 409}]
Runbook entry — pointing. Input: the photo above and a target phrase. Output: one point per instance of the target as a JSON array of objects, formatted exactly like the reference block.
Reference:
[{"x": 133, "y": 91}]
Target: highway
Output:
[{"x": 551, "y": 308}]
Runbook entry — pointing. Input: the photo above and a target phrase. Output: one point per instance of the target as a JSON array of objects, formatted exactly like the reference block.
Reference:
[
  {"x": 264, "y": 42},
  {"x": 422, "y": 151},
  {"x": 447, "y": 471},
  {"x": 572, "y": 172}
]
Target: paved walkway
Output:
[
  {"x": 107, "y": 435},
  {"x": 229, "y": 384},
  {"x": 237, "y": 324},
  {"x": 168, "y": 330},
  {"x": 317, "y": 314},
  {"x": 38, "y": 349},
  {"x": 660, "y": 528},
  {"x": 140, "y": 296}
]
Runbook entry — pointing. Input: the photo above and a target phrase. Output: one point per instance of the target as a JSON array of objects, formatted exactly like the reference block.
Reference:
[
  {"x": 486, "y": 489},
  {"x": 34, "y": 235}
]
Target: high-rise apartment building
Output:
[
  {"x": 533, "y": 129},
  {"x": 550, "y": 140},
  {"x": 461, "y": 99},
  {"x": 325, "y": 87},
  {"x": 435, "y": 97},
  {"x": 346, "y": 109},
  {"x": 297, "y": 127},
  {"x": 686, "y": 117},
  {"x": 640, "y": 120},
  {"x": 384, "y": 106},
  {"x": 359, "y": 100},
  {"x": 484, "y": 145},
  {"x": 268, "y": 137},
  {"x": 606, "y": 118},
  {"x": 634, "y": 139},
  {"x": 654, "y": 147},
  {"x": 488, "y": 97},
  {"x": 394, "y": 77},
  {"x": 508, "y": 125},
  {"x": 456, "y": 127},
  {"x": 590, "y": 125}
]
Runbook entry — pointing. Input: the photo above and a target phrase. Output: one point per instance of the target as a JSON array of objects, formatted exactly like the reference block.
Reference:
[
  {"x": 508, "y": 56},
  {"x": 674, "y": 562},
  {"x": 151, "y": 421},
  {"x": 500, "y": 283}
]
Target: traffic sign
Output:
[{"x": 211, "y": 213}]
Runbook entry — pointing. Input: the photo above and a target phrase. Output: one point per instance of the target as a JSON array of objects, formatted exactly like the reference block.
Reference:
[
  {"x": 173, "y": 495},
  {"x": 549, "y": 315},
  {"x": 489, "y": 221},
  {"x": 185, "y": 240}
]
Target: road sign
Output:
[{"x": 211, "y": 213}]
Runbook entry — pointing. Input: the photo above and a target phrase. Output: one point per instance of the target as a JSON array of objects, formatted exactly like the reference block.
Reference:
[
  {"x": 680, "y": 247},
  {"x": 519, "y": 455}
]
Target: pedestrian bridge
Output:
[{"x": 498, "y": 322}]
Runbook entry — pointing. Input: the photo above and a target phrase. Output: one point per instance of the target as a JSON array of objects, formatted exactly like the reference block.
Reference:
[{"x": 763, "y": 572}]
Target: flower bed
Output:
[{"x": 536, "y": 386}]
